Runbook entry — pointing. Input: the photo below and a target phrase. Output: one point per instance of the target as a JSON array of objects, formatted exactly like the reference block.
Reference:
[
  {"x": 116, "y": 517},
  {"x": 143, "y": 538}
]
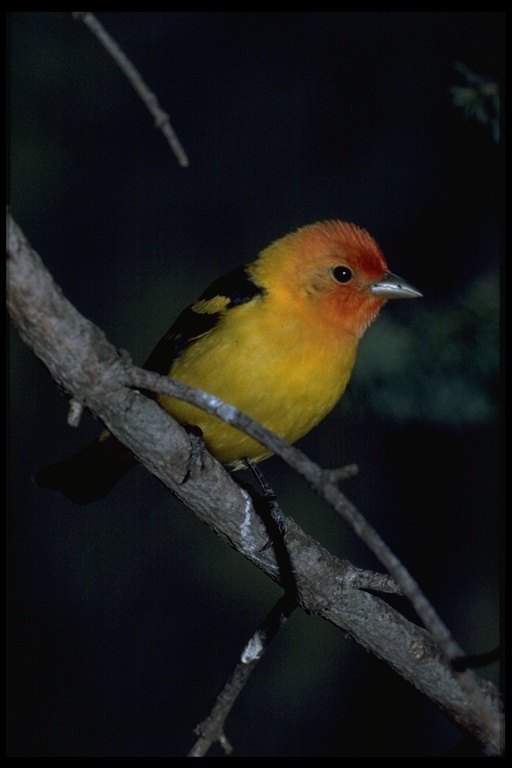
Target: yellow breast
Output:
[{"x": 277, "y": 367}]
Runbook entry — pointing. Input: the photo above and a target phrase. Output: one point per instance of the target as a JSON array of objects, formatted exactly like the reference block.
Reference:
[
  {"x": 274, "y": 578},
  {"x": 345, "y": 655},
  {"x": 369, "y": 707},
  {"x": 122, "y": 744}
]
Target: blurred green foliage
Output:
[
  {"x": 440, "y": 367},
  {"x": 479, "y": 98}
]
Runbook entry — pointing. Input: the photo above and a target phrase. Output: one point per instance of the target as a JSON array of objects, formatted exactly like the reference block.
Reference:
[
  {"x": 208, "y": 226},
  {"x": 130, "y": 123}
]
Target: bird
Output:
[{"x": 276, "y": 338}]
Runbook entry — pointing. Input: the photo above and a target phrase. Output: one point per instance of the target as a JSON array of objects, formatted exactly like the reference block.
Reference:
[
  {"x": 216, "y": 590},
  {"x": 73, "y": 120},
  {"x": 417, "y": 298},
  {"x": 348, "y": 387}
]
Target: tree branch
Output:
[
  {"x": 98, "y": 376},
  {"x": 162, "y": 119}
]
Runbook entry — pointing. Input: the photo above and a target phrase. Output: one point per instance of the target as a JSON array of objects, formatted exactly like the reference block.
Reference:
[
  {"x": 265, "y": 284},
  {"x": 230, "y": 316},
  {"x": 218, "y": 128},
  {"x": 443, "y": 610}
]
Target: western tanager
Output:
[{"x": 277, "y": 338}]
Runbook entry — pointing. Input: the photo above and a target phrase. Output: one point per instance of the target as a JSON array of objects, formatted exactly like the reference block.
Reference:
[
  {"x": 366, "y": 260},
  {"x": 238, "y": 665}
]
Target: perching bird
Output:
[{"x": 277, "y": 338}]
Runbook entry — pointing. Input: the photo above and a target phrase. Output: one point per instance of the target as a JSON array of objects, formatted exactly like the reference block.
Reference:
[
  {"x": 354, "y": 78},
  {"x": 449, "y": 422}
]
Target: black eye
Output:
[{"x": 342, "y": 274}]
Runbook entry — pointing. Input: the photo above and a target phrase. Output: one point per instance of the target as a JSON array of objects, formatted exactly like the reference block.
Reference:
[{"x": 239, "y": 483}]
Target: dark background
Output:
[{"x": 127, "y": 616}]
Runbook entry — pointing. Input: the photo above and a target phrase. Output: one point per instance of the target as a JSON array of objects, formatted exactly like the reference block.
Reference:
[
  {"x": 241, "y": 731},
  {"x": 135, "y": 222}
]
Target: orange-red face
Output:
[{"x": 328, "y": 267}]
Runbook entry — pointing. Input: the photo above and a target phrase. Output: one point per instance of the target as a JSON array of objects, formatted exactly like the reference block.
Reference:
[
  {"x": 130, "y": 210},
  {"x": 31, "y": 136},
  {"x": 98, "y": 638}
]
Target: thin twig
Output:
[
  {"x": 212, "y": 728},
  {"x": 162, "y": 120}
]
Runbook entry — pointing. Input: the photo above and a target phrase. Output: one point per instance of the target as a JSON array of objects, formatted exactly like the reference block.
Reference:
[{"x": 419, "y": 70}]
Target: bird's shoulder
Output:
[{"x": 231, "y": 290}]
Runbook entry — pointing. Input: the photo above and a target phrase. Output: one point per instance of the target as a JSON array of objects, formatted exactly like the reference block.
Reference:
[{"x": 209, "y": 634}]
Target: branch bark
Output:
[
  {"x": 161, "y": 118},
  {"x": 95, "y": 374}
]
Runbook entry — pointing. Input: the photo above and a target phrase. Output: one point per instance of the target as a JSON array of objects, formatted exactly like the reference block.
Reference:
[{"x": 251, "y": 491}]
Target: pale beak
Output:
[{"x": 393, "y": 287}]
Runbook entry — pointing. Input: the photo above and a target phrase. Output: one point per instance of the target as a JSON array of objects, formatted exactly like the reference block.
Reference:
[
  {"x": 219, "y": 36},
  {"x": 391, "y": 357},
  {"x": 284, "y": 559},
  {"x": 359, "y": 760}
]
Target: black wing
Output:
[{"x": 235, "y": 288}]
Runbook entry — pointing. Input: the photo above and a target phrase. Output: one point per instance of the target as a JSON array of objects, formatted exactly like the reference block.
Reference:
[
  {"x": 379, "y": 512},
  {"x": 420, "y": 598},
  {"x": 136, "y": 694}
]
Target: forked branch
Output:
[{"x": 97, "y": 375}]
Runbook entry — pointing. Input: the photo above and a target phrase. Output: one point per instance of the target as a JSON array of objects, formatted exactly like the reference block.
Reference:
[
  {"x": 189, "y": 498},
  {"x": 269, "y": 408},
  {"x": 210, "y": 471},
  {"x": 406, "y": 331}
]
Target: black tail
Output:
[{"x": 90, "y": 474}]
